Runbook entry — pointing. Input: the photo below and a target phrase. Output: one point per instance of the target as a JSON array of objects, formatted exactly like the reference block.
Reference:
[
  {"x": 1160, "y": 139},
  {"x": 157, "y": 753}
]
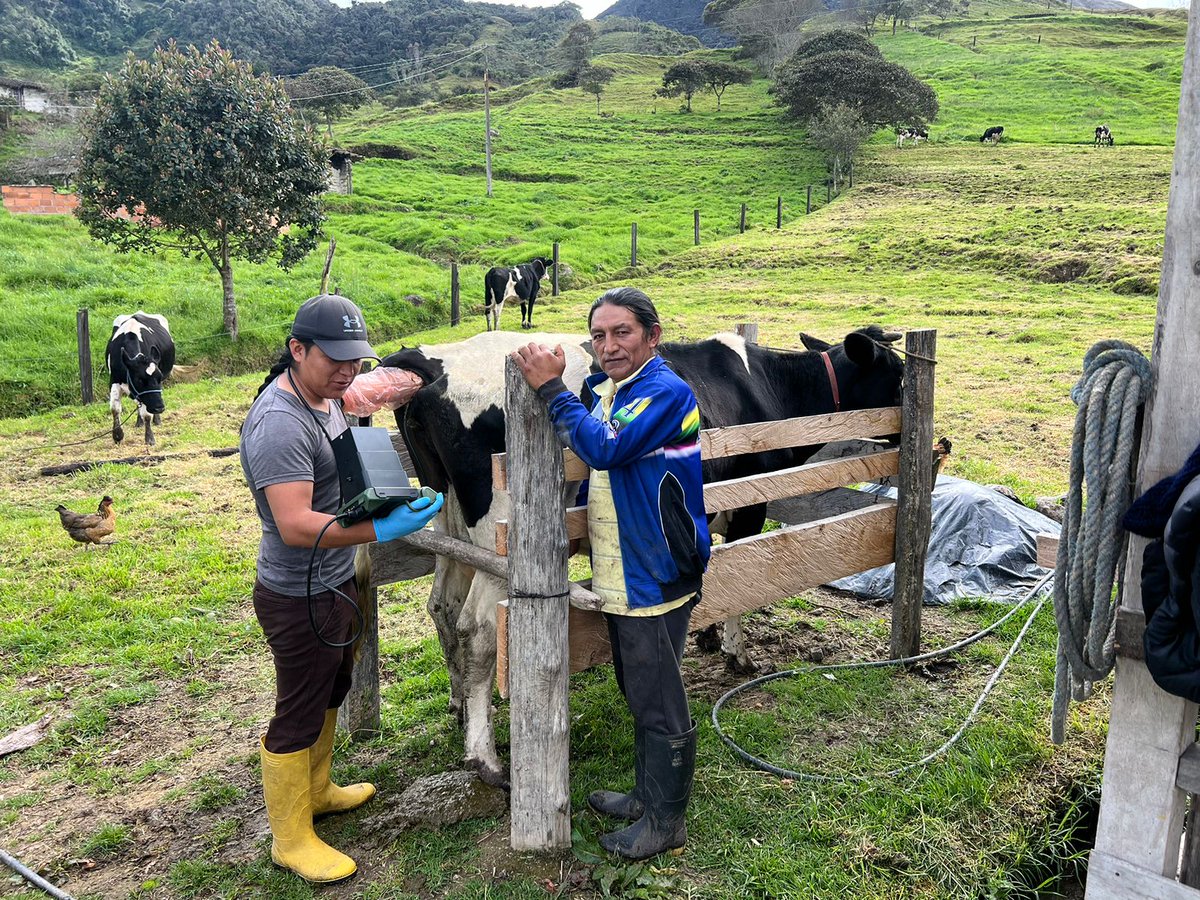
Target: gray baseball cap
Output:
[{"x": 335, "y": 325}]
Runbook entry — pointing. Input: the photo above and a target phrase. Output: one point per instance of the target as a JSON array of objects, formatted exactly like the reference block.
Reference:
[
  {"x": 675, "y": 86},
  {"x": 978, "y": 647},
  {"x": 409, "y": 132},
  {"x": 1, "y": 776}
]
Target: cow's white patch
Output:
[
  {"x": 736, "y": 343},
  {"x": 510, "y": 289},
  {"x": 475, "y": 367},
  {"x": 150, "y": 369},
  {"x": 129, "y": 325}
]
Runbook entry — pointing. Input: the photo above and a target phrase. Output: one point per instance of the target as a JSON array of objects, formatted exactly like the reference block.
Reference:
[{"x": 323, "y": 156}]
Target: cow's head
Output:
[
  {"x": 144, "y": 375},
  {"x": 541, "y": 265},
  {"x": 870, "y": 373}
]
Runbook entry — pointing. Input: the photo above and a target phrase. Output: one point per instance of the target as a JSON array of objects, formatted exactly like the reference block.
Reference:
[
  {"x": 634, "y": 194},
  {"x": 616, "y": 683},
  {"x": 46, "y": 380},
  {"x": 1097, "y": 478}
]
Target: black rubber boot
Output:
[
  {"x": 670, "y": 762},
  {"x": 625, "y": 806}
]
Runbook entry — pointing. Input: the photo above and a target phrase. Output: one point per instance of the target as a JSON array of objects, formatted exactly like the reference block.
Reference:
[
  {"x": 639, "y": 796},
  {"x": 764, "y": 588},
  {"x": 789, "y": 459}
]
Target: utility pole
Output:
[{"x": 487, "y": 129}]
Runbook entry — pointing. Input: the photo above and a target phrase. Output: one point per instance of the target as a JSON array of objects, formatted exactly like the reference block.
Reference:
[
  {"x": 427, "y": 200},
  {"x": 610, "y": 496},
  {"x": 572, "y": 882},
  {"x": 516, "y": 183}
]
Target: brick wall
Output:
[{"x": 37, "y": 200}]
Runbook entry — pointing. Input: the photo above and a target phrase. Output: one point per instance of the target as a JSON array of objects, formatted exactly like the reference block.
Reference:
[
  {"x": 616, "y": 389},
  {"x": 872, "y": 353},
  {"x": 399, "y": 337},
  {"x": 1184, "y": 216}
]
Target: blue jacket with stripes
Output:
[{"x": 651, "y": 449}]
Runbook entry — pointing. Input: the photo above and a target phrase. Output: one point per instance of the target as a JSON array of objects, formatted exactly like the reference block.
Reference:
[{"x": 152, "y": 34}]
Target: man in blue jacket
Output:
[{"x": 638, "y": 428}]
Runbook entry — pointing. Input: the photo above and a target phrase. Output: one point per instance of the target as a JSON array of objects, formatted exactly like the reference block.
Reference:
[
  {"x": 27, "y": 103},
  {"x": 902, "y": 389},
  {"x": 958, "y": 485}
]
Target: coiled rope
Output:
[{"x": 1115, "y": 382}]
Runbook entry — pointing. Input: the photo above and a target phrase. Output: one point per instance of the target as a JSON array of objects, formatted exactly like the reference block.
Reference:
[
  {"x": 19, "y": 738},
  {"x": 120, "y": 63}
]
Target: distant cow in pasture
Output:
[
  {"x": 1104, "y": 136},
  {"x": 993, "y": 134},
  {"x": 916, "y": 135},
  {"x": 140, "y": 355},
  {"x": 517, "y": 283}
]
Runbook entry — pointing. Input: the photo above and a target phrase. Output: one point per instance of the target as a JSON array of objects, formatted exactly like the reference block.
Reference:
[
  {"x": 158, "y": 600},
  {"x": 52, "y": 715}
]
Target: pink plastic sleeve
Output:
[{"x": 381, "y": 388}]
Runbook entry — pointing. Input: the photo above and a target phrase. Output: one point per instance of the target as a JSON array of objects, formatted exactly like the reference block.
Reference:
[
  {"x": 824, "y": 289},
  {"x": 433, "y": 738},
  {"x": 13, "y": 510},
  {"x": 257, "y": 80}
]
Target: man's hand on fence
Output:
[{"x": 539, "y": 364}]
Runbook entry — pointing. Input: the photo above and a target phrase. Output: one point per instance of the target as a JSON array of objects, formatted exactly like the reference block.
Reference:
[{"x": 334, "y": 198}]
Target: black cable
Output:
[{"x": 312, "y": 607}]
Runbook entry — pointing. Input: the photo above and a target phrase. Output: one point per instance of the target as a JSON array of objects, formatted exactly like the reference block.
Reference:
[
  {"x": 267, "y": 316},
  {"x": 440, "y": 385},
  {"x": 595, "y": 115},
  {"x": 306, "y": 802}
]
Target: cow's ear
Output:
[
  {"x": 155, "y": 354},
  {"x": 125, "y": 356},
  {"x": 814, "y": 343},
  {"x": 860, "y": 349}
]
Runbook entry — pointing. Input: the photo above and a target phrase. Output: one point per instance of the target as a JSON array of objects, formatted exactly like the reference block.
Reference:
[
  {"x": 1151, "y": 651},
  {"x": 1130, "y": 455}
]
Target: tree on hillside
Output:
[
  {"x": 208, "y": 157},
  {"x": 767, "y": 30},
  {"x": 720, "y": 75},
  {"x": 328, "y": 90},
  {"x": 575, "y": 49},
  {"x": 833, "y": 40},
  {"x": 683, "y": 79},
  {"x": 593, "y": 79},
  {"x": 883, "y": 93},
  {"x": 838, "y": 130}
]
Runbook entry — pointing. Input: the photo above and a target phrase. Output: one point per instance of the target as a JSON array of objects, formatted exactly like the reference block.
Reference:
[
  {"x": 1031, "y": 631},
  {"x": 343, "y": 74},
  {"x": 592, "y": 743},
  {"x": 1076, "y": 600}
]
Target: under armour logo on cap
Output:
[{"x": 336, "y": 325}]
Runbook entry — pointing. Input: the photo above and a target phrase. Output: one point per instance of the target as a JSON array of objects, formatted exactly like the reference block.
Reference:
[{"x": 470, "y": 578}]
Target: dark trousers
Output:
[
  {"x": 647, "y": 653},
  {"x": 310, "y": 677}
]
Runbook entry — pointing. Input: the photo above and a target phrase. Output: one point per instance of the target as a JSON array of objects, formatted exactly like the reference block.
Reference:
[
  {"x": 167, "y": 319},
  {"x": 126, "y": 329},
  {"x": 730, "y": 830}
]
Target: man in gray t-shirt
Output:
[{"x": 281, "y": 443}]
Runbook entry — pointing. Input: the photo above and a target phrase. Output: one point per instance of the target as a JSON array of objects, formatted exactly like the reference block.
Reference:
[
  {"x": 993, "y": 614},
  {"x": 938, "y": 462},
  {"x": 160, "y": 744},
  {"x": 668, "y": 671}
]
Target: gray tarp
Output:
[{"x": 982, "y": 545}]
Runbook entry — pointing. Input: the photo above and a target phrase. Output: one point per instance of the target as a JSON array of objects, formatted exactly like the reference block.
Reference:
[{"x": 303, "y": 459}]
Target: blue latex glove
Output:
[{"x": 408, "y": 518}]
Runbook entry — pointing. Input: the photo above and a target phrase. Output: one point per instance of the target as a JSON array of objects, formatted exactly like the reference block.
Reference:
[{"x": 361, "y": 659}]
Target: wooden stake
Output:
[
  {"x": 554, "y": 273},
  {"x": 633, "y": 246},
  {"x": 328, "y": 266},
  {"x": 914, "y": 483},
  {"x": 696, "y": 225},
  {"x": 808, "y": 201},
  {"x": 537, "y": 616},
  {"x": 454, "y": 295},
  {"x": 742, "y": 221},
  {"x": 487, "y": 130},
  {"x": 83, "y": 338}
]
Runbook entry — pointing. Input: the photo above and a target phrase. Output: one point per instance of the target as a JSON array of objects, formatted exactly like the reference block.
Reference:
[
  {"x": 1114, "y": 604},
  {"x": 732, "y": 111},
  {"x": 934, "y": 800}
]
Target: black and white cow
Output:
[
  {"x": 517, "y": 283},
  {"x": 1104, "y": 136},
  {"x": 455, "y": 423},
  {"x": 140, "y": 355},
  {"x": 914, "y": 134},
  {"x": 993, "y": 134}
]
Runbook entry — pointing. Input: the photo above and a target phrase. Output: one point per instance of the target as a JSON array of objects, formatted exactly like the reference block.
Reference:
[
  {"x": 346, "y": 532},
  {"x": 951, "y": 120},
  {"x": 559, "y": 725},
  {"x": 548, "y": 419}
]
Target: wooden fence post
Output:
[
  {"x": 554, "y": 276},
  {"x": 696, "y": 225},
  {"x": 633, "y": 246},
  {"x": 540, "y": 808},
  {"x": 1141, "y": 803},
  {"x": 84, "y": 339},
  {"x": 914, "y": 483},
  {"x": 850, "y": 174},
  {"x": 742, "y": 221},
  {"x": 454, "y": 296},
  {"x": 808, "y": 201},
  {"x": 748, "y": 330},
  {"x": 779, "y": 212}
]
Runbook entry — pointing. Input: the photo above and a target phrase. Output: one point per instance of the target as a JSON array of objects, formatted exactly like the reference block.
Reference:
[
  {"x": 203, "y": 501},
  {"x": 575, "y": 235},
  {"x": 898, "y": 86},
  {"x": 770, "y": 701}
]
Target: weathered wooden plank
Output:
[
  {"x": 575, "y": 520},
  {"x": 914, "y": 483},
  {"x": 1187, "y": 776},
  {"x": 1141, "y": 809},
  {"x": 1047, "y": 550},
  {"x": 359, "y": 713},
  {"x": 1131, "y": 627},
  {"x": 805, "y": 479},
  {"x": 588, "y": 643},
  {"x": 783, "y": 563},
  {"x": 540, "y": 805},
  {"x": 395, "y": 561},
  {"x": 757, "y": 437},
  {"x": 1110, "y": 878},
  {"x": 478, "y": 558},
  {"x": 738, "y": 492}
]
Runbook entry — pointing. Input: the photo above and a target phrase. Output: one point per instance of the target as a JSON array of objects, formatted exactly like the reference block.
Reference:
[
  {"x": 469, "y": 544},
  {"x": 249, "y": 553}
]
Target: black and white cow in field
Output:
[
  {"x": 914, "y": 134},
  {"x": 993, "y": 134},
  {"x": 1104, "y": 136},
  {"x": 140, "y": 355},
  {"x": 455, "y": 423},
  {"x": 516, "y": 283}
]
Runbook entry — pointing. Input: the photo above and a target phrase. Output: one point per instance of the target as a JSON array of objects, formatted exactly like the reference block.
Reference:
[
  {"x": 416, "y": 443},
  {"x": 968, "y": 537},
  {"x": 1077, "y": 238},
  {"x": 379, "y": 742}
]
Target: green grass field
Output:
[{"x": 147, "y": 654}]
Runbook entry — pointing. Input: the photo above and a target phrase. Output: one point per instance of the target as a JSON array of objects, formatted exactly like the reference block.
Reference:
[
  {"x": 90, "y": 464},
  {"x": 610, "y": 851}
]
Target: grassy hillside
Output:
[
  {"x": 561, "y": 174},
  {"x": 1123, "y": 70}
]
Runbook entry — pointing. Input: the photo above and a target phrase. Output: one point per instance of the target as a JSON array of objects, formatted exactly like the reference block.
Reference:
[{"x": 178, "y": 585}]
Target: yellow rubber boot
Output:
[
  {"x": 327, "y": 797},
  {"x": 294, "y": 845}
]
